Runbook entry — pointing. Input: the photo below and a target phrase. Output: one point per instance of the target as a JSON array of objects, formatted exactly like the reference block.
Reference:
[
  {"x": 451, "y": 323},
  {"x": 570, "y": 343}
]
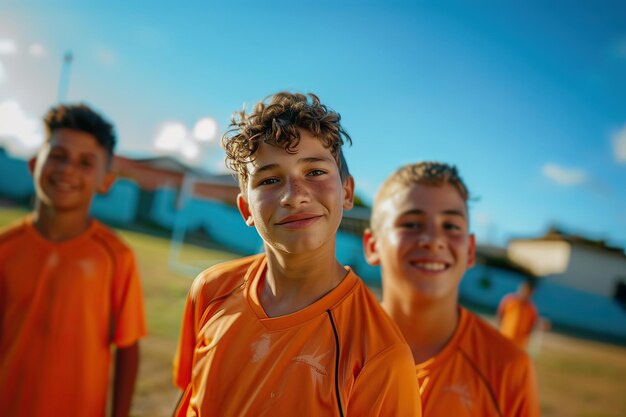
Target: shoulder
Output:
[
  {"x": 13, "y": 231},
  {"x": 487, "y": 348},
  {"x": 110, "y": 240},
  {"x": 223, "y": 278},
  {"x": 362, "y": 318}
]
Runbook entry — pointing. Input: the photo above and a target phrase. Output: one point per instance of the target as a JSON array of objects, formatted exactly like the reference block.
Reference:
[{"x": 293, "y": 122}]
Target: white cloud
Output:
[
  {"x": 170, "y": 137},
  {"x": 619, "y": 145},
  {"x": 173, "y": 138},
  {"x": 206, "y": 129},
  {"x": 8, "y": 47},
  {"x": 1, "y": 72},
  {"x": 106, "y": 56},
  {"x": 37, "y": 50},
  {"x": 482, "y": 218},
  {"x": 20, "y": 133},
  {"x": 564, "y": 176}
]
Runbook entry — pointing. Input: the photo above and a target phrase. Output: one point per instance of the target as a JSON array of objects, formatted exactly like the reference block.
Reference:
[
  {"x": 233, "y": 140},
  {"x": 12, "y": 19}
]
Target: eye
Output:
[
  {"x": 316, "y": 173},
  {"x": 86, "y": 163},
  {"x": 268, "y": 181},
  {"x": 452, "y": 227},
  {"x": 57, "y": 156},
  {"x": 413, "y": 225}
]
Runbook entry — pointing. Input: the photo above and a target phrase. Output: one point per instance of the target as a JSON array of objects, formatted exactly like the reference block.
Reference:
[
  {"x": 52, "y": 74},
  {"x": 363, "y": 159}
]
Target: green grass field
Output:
[{"x": 577, "y": 378}]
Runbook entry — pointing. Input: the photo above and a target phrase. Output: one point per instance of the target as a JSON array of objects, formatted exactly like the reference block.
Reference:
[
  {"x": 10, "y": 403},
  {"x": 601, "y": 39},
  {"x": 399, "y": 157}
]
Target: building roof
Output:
[{"x": 555, "y": 234}]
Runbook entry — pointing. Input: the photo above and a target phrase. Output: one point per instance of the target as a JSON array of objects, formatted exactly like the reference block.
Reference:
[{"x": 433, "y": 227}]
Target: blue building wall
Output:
[
  {"x": 16, "y": 183},
  {"x": 565, "y": 307}
]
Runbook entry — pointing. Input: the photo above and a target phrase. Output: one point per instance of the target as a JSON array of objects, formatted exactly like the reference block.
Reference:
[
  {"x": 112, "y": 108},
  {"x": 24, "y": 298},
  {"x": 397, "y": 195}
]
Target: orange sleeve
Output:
[
  {"x": 186, "y": 344},
  {"x": 387, "y": 386},
  {"x": 520, "y": 389},
  {"x": 129, "y": 319}
]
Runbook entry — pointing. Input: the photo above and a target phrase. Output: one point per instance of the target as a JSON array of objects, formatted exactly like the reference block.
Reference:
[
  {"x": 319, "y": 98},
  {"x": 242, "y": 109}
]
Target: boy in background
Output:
[
  {"x": 290, "y": 332},
  {"x": 69, "y": 287},
  {"x": 518, "y": 316},
  {"x": 420, "y": 237}
]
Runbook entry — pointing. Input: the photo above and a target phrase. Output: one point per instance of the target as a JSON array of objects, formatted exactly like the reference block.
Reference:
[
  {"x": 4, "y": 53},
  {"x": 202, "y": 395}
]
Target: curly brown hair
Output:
[
  {"x": 276, "y": 121},
  {"x": 427, "y": 173}
]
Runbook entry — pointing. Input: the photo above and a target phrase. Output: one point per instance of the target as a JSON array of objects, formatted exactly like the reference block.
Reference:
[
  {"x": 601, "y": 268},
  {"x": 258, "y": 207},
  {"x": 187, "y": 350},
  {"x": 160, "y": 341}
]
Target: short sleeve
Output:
[
  {"x": 387, "y": 386},
  {"x": 521, "y": 391},
  {"x": 183, "y": 360},
  {"x": 129, "y": 324}
]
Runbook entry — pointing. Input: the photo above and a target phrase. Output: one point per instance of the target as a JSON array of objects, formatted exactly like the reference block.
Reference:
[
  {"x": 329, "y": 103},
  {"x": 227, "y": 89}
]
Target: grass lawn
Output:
[{"x": 577, "y": 378}]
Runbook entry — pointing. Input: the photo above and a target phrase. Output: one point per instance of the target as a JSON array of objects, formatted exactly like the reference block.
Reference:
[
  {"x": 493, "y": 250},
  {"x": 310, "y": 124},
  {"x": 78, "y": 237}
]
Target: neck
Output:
[
  {"x": 293, "y": 282},
  {"x": 427, "y": 326},
  {"x": 58, "y": 225}
]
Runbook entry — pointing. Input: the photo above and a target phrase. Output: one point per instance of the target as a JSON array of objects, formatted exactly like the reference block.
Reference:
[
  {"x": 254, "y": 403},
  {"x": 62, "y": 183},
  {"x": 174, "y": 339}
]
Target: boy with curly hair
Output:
[
  {"x": 420, "y": 237},
  {"x": 290, "y": 331},
  {"x": 69, "y": 287}
]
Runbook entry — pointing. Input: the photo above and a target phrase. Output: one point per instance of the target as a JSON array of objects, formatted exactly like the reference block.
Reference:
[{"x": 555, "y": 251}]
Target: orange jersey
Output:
[
  {"x": 341, "y": 352},
  {"x": 478, "y": 373},
  {"x": 61, "y": 307},
  {"x": 517, "y": 319}
]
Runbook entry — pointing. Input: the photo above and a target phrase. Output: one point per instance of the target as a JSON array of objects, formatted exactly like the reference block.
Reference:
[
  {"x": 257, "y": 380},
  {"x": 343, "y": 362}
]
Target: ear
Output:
[
  {"x": 244, "y": 209},
  {"x": 348, "y": 193},
  {"x": 107, "y": 182},
  {"x": 370, "y": 249},
  {"x": 471, "y": 251},
  {"x": 31, "y": 164}
]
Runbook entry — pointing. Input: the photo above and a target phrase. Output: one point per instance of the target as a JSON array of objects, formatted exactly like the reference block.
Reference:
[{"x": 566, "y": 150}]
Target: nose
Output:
[
  {"x": 295, "y": 193},
  {"x": 430, "y": 238}
]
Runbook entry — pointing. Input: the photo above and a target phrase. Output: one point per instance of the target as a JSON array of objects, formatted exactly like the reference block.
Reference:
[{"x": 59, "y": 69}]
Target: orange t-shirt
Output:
[
  {"x": 341, "y": 351},
  {"x": 478, "y": 373},
  {"x": 517, "y": 319},
  {"x": 61, "y": 306}
]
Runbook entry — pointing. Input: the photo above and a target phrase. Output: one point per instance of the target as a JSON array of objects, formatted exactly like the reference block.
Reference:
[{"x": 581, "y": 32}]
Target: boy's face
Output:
[
  {"x": 422, "y": 241},
  {"x": 295, "y": 201},
  {"x": 69, "y": 169}
]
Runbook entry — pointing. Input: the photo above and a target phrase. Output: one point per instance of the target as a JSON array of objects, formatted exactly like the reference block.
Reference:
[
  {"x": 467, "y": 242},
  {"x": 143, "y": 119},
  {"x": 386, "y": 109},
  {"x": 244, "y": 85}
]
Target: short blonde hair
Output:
[{"x": 428, "y": 173}]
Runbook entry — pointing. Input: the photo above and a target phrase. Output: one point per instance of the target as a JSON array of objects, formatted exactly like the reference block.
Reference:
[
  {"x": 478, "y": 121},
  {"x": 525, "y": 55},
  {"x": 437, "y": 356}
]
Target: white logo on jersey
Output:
[
  {"x": 260, "y": 348},
  {"x": 462, "y": 392},
  {"x": 318, "y": 371}
]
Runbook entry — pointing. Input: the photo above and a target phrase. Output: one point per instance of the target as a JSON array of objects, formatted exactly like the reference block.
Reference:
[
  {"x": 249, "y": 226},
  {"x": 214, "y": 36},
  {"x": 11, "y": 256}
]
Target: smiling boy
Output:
[
  {"x": 69, "y": 287},
  {"x": 291, "y": 331},
  {"x": 420, "y": 237}
]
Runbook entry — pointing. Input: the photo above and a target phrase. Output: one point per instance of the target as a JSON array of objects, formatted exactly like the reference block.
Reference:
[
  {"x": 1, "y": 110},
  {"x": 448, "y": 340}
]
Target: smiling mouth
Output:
[
  {"x": 430, "y": 266},
  {"x": 298, "y": 222},
  {"x": 62, "y": 185}
]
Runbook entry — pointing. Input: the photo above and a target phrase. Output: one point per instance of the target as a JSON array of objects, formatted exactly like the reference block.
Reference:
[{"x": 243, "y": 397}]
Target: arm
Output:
[
  {"x": 387, "y": 386},
  {"x": 126, "y": 366}
]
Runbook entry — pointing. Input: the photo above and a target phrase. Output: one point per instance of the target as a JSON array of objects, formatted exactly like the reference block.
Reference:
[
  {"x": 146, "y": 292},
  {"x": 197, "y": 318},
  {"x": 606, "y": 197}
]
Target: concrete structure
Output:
[{"x": 573, "y": 261}]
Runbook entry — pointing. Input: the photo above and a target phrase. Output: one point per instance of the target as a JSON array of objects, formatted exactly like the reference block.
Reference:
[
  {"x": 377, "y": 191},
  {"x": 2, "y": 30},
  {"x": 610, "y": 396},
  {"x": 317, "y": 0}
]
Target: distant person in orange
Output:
[
  {"x": 517, "y": 315},
  {"x": 420, "y": 237},
  {"x": 290, "y": 332},
  {"x": 69, "y": 287}
]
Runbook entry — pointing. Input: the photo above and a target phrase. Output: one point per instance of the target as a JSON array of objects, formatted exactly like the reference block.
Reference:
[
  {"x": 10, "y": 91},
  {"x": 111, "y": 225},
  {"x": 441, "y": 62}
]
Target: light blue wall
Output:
[
  {"x": 119, "y": 205},
  {"x": 15, "y": 180},
  {"x": 562, "y": 305}
]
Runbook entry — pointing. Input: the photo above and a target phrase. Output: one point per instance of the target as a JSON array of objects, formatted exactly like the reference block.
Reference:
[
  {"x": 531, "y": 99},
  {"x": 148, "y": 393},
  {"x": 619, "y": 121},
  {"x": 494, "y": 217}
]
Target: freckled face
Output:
[
  {"x": 69, "y": 169},
  {"x": 295, "y": 201},
  {"x": 422, "y": 243}
]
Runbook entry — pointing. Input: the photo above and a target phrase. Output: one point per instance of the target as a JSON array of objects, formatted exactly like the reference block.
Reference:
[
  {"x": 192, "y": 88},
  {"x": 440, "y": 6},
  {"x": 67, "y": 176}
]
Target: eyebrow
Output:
[
  {"x": 450, "y": 212},
  {"x": 307, "y": 160}
]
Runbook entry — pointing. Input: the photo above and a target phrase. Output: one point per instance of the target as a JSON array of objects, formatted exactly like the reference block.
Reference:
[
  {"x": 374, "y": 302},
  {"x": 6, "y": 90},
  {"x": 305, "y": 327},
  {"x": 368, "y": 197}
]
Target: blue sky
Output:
[{"x": 527, "y": 99}]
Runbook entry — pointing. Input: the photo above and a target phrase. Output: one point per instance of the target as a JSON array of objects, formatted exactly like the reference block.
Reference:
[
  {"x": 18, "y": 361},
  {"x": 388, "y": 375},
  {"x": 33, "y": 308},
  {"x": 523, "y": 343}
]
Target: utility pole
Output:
[{"x": 65, "y": 76}]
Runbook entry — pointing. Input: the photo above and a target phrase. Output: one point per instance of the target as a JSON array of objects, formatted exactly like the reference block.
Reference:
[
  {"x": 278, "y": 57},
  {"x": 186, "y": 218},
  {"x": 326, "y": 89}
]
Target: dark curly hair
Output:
[
  {"x": 84, "y": 118},
  {"x": 276, "y": 121},
  {"x": 427, "y": 173}
]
